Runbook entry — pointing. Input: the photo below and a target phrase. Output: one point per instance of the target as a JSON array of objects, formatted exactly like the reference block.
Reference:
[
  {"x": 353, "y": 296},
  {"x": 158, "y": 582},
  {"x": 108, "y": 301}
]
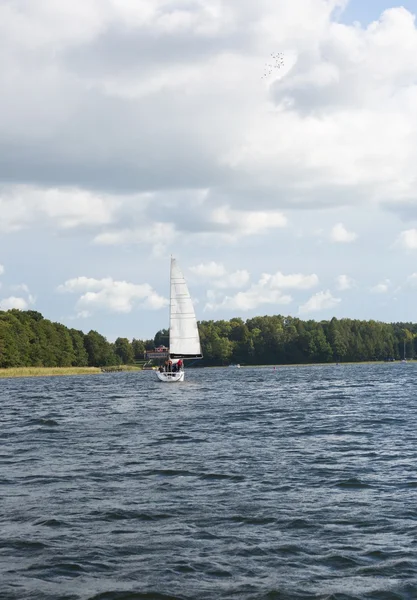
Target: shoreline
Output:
[
  {"x": 330, "y": 364},
  {"x": 14, "y": 372}
]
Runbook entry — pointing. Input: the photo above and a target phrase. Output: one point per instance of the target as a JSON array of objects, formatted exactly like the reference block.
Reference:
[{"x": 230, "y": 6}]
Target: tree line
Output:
[
  {"x": 28, "y": 339},
  {"x": 289, "y": 340}
]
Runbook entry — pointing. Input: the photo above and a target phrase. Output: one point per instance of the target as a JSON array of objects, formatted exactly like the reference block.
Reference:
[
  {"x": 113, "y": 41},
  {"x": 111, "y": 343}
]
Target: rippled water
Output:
[{"x": 298, "y": 483}]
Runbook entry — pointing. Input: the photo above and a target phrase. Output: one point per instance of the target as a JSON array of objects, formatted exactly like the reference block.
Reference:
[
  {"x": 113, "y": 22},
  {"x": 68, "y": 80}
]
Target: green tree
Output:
[
  {"x": 65, "y": 349},
  {"x": 162, "y": 338},
  {"x": 123, "y": 349},
  {"x": 9, "y": 353},
  {"x": 138, "y": 348},
  {"x": 80, "y": 352},
  {"x": 222, "y": 349},
  {"x": 100, "y": 352},
  {"x": 337, "y": 340}
]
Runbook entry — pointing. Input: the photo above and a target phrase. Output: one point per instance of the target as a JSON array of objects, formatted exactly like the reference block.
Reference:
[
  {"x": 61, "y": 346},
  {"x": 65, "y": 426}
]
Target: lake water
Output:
[{"x": 247, "y": 484}]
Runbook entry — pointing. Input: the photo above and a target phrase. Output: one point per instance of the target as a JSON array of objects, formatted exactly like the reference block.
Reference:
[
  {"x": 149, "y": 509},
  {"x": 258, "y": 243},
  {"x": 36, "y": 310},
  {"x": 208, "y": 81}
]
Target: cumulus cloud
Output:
[
  {"x": 76, "y": 208},
  {"x": 18, "y": 301},
  {"x": 296, "y": 281},
  {"x": 203, "y": 224},
  {"x": 320, "y": 301},
  {"x": 158, "y": 236},
  {"x": 110, "y": 295},
  {"x": 268, "y": 290},
  {"x": 237, "y": 279},
  {"x": 344, "y": 282},
  {"x": 218, "y": 275},
  {"x": 21, "y": 206},
  {"x": 1, "y": 269},
  {"x": 341, "y": 235},
  {"x": 247, "y": 222},
  {"x": 149, "y": 123},
  {"x": 13, "y": 302},
  {"x": 339, "y": 114},
  {"x": 209, "y": 270},
  {"x": 382, "y": 287},
  {"x": 252, "y": 298}
]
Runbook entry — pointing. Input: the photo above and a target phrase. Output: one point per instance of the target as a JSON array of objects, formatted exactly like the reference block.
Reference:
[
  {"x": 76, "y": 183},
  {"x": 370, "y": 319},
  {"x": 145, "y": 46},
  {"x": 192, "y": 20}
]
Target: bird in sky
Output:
[{"x": 275, "y": 62}]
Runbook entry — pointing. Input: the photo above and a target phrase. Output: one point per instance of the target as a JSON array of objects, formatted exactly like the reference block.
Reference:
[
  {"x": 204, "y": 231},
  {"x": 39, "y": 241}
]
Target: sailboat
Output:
[{"x": 184, "y": 339}]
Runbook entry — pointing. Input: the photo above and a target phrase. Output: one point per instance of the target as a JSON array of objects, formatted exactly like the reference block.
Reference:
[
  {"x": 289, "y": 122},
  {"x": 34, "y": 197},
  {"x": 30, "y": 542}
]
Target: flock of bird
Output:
[{"x": 276, "y": 63}]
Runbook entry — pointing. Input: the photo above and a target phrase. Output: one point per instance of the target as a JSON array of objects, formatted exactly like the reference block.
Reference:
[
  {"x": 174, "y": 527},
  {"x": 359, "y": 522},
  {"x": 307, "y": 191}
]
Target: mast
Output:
[{"x": 170, "y": 305}]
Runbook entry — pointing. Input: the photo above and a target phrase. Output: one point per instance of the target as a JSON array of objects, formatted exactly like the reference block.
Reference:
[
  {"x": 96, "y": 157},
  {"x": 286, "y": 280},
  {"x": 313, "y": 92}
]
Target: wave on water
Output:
[{"x": 247, "y": 484}]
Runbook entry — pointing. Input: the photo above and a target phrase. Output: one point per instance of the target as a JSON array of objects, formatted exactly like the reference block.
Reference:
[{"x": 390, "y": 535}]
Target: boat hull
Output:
[{"x": 170, "y": 377}]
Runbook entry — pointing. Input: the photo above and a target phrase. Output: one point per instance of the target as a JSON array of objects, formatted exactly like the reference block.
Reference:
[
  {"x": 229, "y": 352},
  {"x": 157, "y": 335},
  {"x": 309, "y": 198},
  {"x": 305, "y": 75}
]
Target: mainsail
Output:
[{"x": 184, "y": 340}]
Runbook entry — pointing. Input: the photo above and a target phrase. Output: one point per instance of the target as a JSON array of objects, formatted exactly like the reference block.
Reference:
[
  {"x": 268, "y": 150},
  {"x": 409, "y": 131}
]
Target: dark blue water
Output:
[{"x": 240, "y": 483}]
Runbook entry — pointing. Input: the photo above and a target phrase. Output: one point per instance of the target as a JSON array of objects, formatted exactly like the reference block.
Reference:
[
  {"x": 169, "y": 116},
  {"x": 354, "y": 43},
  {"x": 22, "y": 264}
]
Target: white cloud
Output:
[
  {"x": 80, "y": 284},
  {"x": 75, "y": 208},
  {"x": 247, "y": 222},
  {"x": 336, "y": 125},
  {"x": 382, "y": 287},
  {"x": 296, "y": 281},
  {"x": 347, "y": 87},
  {"x": 341, "y": 235},
  {"x": 209, "y": 270},
  {"x": 98, "y": 98},
  {"x": 18, "y": 302},
  {"x": 110, "y": 295},
  {"x": 408, "y": 239},
  {"x": 320, "y": 301},
  {"x": 237, "y": 279},
  {"x": 202, "y": 223},
  {"x": 155, "y": 234},
  {"x": 268, "y": 290},
  {"x": 13, "y": 302},
  {"x": 82, "y": 314},
  {"x": 344, "y": 282},
  {"x": 250, "y": 299},
  {"x": 1, "y": 269},
  {"x": 85, "y": 83},
  {"x": 158, "y": 237},
  {"x": 219, "y": 277},
  {"x": 23, "y": 205},
  {"x": 14, "y": 215}
]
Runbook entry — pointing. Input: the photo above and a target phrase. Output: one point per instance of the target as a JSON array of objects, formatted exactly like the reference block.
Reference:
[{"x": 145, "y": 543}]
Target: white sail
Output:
[{"x": 184, "y": 340}]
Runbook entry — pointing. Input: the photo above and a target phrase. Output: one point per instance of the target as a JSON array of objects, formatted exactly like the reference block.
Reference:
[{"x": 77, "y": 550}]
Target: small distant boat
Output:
[{"x": 184, "y": 339}]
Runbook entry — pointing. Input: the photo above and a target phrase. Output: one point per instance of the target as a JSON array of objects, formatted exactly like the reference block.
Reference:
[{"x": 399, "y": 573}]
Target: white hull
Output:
[{"x": 170, "y": 377}]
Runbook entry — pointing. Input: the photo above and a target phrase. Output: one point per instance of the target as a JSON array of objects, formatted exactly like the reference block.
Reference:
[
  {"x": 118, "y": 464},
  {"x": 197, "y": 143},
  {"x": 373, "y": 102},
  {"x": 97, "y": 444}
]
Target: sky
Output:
[{"x": 271, "y": 147}]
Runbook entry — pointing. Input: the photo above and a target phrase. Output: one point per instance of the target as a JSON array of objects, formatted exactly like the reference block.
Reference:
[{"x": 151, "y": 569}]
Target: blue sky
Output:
[
  {"x": 131, "y": 131},
  {"x": 366, "y": 12}
]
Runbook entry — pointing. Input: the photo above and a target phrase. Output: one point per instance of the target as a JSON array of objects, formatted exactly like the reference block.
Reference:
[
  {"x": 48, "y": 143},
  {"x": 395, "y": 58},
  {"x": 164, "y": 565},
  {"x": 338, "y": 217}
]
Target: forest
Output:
[{"x": 27, "y": 339}]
